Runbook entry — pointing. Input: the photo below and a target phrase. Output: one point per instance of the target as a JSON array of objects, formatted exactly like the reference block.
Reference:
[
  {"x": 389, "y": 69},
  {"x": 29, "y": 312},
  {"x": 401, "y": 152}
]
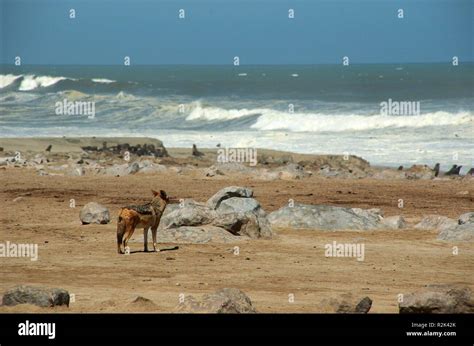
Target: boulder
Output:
[
  {"x": 122, "y": 170},
  {"x": 243, "y": 216},
  {"x": 393, "y": 222},
  {"x": 292, "y": 171},
  {"x": 77, "y": 171},
  {"x": 189, "y": 214},
  {"x": 346, "y": 303},
  {"x": 420, "y": 172},
  {"x": 40, "y": 296},
  {"x": 212, "y": 171},
  {"x": 244, "y": 224},
  {"x": 225, "y": 300},
  {"x": 463, "y": 232},
  {"x": 197, "y": 235},
  {"x": 94, "y": 212},
  {"x": 40, "y": 159},
  {"x": 438, "y": 299},
  {"x": 325, "y": 217},
  {"x": 238, "y": 205},
  {"x": 228, "y": 192},
  {"x": 142, "y": 304},
  {"x": 229, "y": 214},
  {"x": 466, "y": 218},
  {"x": 435, "y": 222}
]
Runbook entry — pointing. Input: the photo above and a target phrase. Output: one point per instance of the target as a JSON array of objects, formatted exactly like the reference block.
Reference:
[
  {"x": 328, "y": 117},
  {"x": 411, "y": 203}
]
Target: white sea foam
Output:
[
  {"x": 270, "y": 119},
  {"x": 103, "y": 80},
  {"x": 219, "y": 114},
  {"x": 7, "y": 79},
  {"x": 309, "y": 122},
  {"x": 31, "y": 82}
]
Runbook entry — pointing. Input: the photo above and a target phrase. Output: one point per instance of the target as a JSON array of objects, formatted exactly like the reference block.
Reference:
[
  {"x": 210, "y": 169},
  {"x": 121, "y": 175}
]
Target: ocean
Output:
[{"x": 316, "y": 109}]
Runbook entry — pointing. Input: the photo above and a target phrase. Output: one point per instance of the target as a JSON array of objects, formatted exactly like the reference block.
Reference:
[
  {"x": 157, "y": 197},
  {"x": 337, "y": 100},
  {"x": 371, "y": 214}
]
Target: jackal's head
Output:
[{"x": 160, "y": 197}]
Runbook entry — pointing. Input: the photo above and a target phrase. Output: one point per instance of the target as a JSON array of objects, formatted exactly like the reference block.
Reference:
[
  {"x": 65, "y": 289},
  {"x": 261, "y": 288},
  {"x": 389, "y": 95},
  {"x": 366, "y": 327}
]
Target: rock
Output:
[
  {"x": 244, "y": 224},
  {"x": 438, "y": 299},
  {"x": 78, "y": 171},
  {"x": 435, "y": 222},
  {"x": 346, "y": 303},
  {"x": 243, "y": 216},
  {"x": 228, "y": 192},
  {"x": 142, "y": 304},
  {"x": 420, "y": 172},
  {"x": 40, "y": 159},
  {"x": 463, "y": 232},
  {"x": 225, "y": 300},
  {"x": 238, "y": 205},
  {"x": 93, "y": 212},
  {"x": 234, "y": 167},
  {"x": 325, "y": 217},
  {"x": 190, "y": 214},
  {"x": 44, "y": 297},
  {"x": 154, "y": 168},
  {"x": 292, "y": 171},
  {"x": 387, "y": 174},
  {"x": 122, "y": 170},
  {"x": 466, "y": 218},
  {"x": 393, "y": 222},
  {"x": 212, "y": 171},
  {"x": 197, "y": 235}
]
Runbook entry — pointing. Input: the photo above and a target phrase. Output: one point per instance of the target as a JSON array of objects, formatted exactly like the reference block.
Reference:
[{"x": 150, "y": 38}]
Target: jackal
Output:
[{"x": 147, "y": 216}]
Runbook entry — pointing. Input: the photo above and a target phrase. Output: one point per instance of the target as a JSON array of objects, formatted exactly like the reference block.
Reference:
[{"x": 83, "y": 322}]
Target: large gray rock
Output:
[
  {"x": 435, "y": 222},
  {"x": 94, "y": 212},
  {"x": 40, "y": 296},
  {"x": 464, "y": 232},
  {"x": 225, "y": 300},
  {"x": 197, "y": 235},
  {"x": 189, "y": 214},
  {"x": 292, "y": 171},
  {"x": 230, "y": 213},
  {"x": 393, "y": 222},
  {"x": 228, "y": 192},
  {"x": 440, "y": 299},
  {"x": 122, "y": 170},
  {"x": 243, "y": 216},
  {"x": 466, "y": 218},
  {"x": 244, "y": 224},
  {"x": 325, "y": 217},
  {"x": 238, "y": 205},
  {"x": 346, "y": 303}
]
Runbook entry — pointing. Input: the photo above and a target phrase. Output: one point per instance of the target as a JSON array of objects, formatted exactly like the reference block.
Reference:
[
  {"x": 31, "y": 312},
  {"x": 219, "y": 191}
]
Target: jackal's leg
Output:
[
  {"x": 120, "y": 233},
  {"x": 145, "y": 238},
  {"x": 153, "y": 233},
  {"x": 128, "y": 234}
]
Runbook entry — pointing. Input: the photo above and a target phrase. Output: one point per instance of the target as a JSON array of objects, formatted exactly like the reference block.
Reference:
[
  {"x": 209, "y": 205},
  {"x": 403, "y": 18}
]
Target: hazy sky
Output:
[{"x": 214, "y": 31}]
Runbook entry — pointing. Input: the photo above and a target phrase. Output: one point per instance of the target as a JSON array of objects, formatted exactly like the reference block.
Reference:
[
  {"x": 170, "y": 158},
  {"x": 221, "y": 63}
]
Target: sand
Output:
[{"x": 83, "y": 258}]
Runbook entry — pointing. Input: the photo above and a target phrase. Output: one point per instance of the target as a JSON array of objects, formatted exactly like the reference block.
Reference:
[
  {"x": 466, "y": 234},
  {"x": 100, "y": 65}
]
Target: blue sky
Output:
[{"x": 214, "y": 31}]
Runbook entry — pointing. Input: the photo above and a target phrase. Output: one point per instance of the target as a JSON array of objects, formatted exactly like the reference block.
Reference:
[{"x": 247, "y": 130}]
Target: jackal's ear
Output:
[
  {"x": 163, "y": 194},
  {"x": 155, "y": 193}
]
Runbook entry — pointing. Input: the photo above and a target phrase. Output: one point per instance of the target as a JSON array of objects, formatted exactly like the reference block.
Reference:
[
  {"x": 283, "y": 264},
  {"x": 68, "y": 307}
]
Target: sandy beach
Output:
[{"x": 83, "y": 258}]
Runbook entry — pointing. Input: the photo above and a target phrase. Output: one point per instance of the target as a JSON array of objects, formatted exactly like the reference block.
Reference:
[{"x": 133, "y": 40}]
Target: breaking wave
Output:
[
  {"x": 31, "y": 82},
  {"x": 269, "y": 120}
]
